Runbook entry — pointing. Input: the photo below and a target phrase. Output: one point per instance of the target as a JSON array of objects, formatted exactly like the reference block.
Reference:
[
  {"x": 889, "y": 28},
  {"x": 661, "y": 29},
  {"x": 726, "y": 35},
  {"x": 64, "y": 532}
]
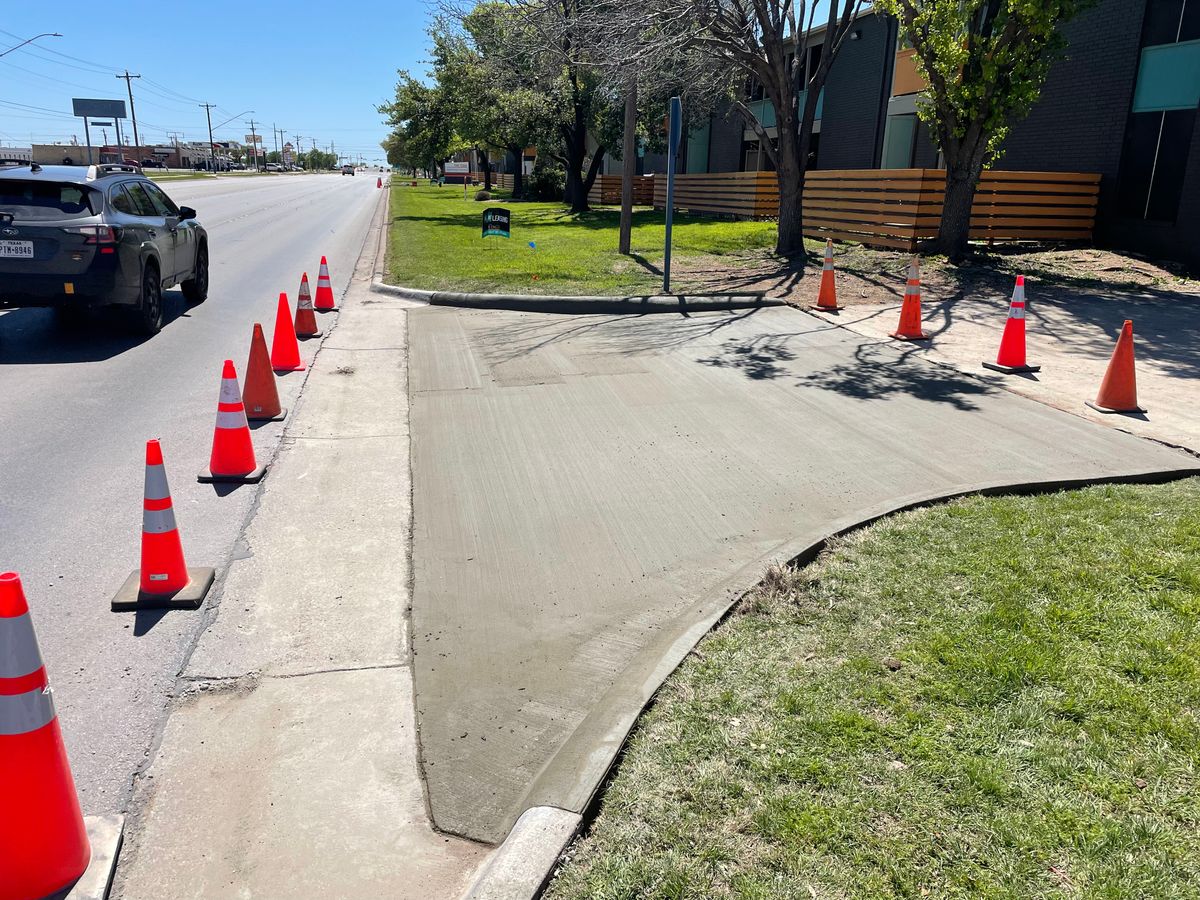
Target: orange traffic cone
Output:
[
  {"x": 1011, "y": 358},
  {"x": 44, "y": 841},
  {"x": 306, "y": 322},
  {"x": 827, "y": 297},
  {"x": 378, "y": 182},
  {"x": 164, "y": 581},
  {"x": 285, "y": 352},
  {"x": 232, "y": 459},
  {"x": 261, "y": 396},
  {"x": 909, "y": 328},
  {"x": 324, "y": 289},
  {"x": 1118, "y": 391}
]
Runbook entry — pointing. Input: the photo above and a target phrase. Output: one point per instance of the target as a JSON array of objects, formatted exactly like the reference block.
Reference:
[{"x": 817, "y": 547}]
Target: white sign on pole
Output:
[{"x": 458, "y": 168}]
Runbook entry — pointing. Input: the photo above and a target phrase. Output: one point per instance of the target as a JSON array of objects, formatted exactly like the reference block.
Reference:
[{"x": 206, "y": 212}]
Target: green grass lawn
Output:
[
  {"x": 436, "y": 243},
  {"x": 998, "y": 697}
]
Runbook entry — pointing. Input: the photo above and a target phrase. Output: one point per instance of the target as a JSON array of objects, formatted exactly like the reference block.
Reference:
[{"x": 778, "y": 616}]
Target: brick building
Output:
[{"x": 1123, "y": 103}]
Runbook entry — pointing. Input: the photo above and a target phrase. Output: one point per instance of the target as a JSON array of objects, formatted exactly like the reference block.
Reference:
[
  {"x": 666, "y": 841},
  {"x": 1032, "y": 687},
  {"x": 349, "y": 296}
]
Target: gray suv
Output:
[{"x": 74, "y": 237}]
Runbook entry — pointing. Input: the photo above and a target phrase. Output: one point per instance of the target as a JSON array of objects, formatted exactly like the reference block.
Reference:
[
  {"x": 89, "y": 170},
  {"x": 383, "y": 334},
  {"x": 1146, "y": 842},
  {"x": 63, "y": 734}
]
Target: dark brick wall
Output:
[
  {"x": 851, "y": 126},
  {"x": 1078, "y": 124}
]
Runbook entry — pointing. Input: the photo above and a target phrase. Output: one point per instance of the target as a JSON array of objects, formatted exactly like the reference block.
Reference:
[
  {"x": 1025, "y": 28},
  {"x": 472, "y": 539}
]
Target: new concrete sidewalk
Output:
[
  {"x": 288, "y": 767},
  {"x": 591, "y": 493}
]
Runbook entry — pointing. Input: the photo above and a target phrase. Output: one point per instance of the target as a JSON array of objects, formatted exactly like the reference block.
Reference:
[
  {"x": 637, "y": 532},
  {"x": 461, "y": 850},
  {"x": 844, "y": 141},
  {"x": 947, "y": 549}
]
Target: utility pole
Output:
[
  {"x": 132, "y": 112},
  {"x": 254, "y": 144},
  {"x": 275, "y": 138},
  {"x": 208, "y": 108}
]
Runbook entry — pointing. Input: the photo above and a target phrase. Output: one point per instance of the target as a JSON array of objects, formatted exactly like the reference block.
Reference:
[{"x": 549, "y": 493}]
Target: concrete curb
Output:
[
  {"x": 521, "y": 866},
  {"x": 633, "y": 305},
  {"x": 105, "y": 834}
]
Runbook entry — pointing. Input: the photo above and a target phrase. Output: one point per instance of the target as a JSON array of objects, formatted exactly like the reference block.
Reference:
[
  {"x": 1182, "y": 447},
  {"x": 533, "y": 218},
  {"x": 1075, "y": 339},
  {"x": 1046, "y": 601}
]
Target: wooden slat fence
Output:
[
  {"x": 606, "y": 190},
  {"x": 752, "y": 195},
  {"x": 899, "y": 207},
  {"x": 503, "y": 181}
]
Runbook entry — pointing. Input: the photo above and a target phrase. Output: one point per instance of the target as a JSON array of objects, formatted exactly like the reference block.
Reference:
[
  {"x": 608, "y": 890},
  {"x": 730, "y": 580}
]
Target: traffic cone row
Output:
[
  {"x": 44, "y": 847},
  {"x": 1118, "y": 390}
]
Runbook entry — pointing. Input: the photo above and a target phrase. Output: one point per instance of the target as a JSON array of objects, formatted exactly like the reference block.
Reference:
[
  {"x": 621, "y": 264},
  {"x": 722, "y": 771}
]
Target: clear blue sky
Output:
[{"x": 316, "y": 71}]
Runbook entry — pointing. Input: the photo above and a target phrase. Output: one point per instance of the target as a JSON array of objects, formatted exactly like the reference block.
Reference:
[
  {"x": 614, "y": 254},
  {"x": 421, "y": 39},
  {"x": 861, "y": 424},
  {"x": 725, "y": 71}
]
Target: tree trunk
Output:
[
  {"x": 487, "y": 170},
  {"x": 962, "y": 177},
  {"x": 518, "y": 173},
  {"x": 789, "y": 171},
  {"x": 628, "y": 166}
]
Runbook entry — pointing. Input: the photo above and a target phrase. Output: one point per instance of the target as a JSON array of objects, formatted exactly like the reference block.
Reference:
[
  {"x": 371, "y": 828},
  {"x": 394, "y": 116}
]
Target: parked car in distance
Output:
[
  {"x": 274, "y": 167},
  {"x": 152, "y": 164},
  {"x": 77, "y": 237},
  {"x": 347, "y": 170}
]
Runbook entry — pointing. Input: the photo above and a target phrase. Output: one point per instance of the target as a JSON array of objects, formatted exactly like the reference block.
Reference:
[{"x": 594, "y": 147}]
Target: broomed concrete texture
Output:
[
  {"x": 288, "y": 767},
  {"x": 590, "y": 493}
]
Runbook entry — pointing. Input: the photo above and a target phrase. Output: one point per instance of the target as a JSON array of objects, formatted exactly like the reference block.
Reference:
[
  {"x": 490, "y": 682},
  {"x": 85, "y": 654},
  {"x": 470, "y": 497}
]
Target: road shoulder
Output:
[{"x": 289, "y": 763}]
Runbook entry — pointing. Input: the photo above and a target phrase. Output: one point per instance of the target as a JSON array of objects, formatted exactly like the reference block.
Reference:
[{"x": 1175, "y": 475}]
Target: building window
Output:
[
  {"x": 899, "y": 142},
  {"x": 1158, "y": 133}
]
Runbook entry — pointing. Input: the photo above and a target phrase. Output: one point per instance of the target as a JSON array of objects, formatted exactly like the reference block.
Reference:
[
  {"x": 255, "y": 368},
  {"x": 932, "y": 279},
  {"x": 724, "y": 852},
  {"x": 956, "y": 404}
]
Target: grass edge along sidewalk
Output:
[
  {"x": 993, "y": 697},
  {"x": 435, "y": 243}
]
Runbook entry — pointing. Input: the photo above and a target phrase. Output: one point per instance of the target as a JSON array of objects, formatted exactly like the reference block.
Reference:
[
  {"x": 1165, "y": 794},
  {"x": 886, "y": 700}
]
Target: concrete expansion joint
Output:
[{"x": 348, "y": 437}]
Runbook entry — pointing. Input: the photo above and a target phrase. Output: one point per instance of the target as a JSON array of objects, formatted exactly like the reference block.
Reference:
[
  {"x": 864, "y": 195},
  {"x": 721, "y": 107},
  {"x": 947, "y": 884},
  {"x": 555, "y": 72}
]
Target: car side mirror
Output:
[
  {"x": 172, "y": 222},
  {"x": 186, "y": 212}
]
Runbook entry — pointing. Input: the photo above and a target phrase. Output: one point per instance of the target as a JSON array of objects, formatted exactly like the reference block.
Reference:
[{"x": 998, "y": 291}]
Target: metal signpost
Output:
[
  {"x": 98, "y": 109},
  {"x": 676, "y": 130}
]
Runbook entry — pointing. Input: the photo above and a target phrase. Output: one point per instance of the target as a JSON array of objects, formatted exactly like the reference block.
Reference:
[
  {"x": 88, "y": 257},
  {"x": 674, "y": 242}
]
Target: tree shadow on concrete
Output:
[{"x": 875, "y": 372}]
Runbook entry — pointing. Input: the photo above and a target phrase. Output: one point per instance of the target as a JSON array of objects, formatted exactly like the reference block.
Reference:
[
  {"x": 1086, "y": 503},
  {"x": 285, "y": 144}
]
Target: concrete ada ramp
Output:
[{"x": 591, "y": 493}]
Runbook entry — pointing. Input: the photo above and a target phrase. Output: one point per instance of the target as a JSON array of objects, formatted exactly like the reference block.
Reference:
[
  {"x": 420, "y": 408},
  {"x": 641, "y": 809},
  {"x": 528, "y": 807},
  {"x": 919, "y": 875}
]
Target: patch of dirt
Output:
[{"x": 869, "y": 277}]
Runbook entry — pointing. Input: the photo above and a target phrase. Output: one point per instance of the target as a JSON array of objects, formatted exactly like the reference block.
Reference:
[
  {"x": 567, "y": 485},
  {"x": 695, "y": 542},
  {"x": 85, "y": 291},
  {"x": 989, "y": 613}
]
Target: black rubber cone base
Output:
[
  {"x": 1011, "y": 370},
  {"x": 319, "y": 311},
  {"x": 1114, "y": 412},
  {"x": 207, "y": 477},
  {"x": 819, "y": 308},
  {"x": 279, "y": 418},
  {"x": 910, "y": 337},
  {"x": 190, "y": 596},
  {"x": 308, "y": 337}
]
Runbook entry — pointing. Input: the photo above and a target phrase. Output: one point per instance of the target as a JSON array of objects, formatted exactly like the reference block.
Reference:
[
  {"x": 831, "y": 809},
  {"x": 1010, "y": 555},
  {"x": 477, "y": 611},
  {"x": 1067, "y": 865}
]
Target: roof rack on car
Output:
[
  {"x": 100, "y": 170},
  {"x": 17, "y": 163}
]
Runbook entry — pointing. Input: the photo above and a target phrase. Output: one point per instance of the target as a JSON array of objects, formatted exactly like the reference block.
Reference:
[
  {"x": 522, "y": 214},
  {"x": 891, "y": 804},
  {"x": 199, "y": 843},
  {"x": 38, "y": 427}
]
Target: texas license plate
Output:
[{"x": 19, "y": 249}]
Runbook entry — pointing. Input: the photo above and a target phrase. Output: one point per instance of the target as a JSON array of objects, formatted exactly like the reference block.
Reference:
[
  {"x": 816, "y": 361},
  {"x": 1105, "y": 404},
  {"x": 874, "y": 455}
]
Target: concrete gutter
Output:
[{"x": 632, "y": 305}]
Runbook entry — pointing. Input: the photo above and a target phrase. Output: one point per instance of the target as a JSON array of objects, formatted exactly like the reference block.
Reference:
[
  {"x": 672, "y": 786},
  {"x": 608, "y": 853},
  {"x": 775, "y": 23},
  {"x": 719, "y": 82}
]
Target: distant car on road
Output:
[
  {"x": 74, "y": 237},
  {"x": 274, "y": 167},
  {"x": 152, "y": 164},
  {"x": 347, "y": 170}
]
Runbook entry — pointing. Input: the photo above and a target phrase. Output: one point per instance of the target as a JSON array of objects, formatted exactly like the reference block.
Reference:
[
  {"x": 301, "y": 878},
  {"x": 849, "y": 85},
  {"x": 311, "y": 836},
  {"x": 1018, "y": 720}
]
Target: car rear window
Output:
[{"x": 46, "y": 199}]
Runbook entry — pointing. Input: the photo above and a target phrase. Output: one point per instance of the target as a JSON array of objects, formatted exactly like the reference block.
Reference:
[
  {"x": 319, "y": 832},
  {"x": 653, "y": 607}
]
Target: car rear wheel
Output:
[
  {"x": 195, "y": 289},
  {"x": 148, "y": 319}
]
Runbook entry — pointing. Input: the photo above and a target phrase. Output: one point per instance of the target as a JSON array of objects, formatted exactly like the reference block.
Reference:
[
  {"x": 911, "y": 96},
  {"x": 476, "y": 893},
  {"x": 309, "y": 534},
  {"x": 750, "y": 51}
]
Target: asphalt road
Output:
[{"x": 77, "y": 410}]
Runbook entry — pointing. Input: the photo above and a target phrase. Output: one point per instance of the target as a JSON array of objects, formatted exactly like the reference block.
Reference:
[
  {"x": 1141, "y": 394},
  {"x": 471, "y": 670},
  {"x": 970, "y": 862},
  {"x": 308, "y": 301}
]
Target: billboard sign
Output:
[
  {"x": 457, "y": 168},
  {"x": 104, "y": 109}
]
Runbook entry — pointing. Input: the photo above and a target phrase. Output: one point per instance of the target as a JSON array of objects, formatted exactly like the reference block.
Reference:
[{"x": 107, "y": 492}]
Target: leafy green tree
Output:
[
  {"x": 490, "y": 111},
  {"x": 423, "y": 114},
  {"x": 985, "y": 62}
]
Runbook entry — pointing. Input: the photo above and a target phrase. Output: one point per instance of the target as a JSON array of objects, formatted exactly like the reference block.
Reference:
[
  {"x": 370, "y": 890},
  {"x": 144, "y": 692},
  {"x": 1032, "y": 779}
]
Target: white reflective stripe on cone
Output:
[
  {"x": 1016, "y": 311},
  {"x": 232, "y": 419},
  {"x": 156, "y": 483},
  {"x": 229, "y": 391},
  {"x": 19, "y": 654},
  {"x": 158, "y": 521},
  {"x": 23, "y": 713}
]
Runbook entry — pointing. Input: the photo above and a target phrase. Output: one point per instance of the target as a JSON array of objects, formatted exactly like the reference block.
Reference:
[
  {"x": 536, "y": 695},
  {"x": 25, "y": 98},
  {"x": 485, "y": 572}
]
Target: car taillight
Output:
[{"x": 103, "y": 236}]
